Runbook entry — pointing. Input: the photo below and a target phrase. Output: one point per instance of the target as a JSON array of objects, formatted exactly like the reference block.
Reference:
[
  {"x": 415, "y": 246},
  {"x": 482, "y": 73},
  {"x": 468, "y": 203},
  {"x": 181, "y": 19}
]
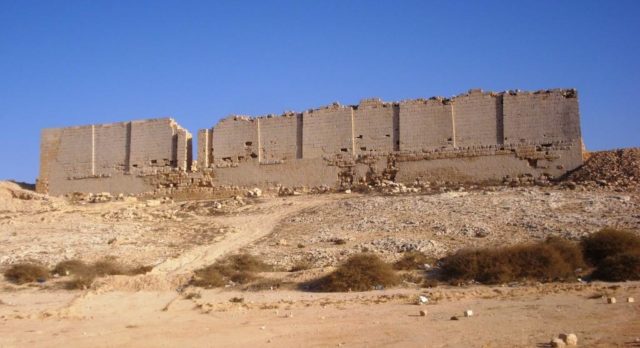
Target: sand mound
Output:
[
  {"x": 20, "y": 197},
  {"x": 616, "y": 167}
]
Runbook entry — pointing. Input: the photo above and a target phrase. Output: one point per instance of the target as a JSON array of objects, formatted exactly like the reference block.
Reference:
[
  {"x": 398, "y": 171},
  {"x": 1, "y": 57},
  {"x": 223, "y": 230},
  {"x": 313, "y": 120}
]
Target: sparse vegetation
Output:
[
  {"x": 70, "y": 267},
  {"x": 614, "y": 253},
  {"x": 551, "y": 260},
  {"x": 361, "y": 272},
  {"x": 22, "y": 273},
  {"x": 412, "y": 260},
  {"x": 609, "y": 242},
  {"x": 83, "y": 274},
  {"x": 240, "y": 269},
  {"x": 301, "y": 265},
  {"x": 619, "y": 267}
]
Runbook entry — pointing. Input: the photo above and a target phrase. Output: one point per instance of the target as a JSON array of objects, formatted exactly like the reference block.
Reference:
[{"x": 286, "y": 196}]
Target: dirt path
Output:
[{"x": 245, "y": 230}]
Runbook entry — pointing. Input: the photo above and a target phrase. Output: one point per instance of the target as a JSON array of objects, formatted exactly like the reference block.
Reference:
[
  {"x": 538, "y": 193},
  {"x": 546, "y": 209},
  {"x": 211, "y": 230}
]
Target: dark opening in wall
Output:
[
  {"x": 248, "y": 143},
  {"x": 364, "y": 148},
  {"x": 254, "y": 155},
  {"x": 344, "y": 149},
  {"x": 533, "y": 162},
  {"x": 449, "y": 139},
  {"x": 228, "y": 159},
  {"x": 388, "y": 135},
  {"x": 154, "y": 161},
  {"x": 359, "y": 136}
]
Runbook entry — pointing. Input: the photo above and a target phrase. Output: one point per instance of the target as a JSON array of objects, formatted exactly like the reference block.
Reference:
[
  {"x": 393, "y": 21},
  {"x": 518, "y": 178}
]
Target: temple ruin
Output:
[{"x": 473, "y": 137}]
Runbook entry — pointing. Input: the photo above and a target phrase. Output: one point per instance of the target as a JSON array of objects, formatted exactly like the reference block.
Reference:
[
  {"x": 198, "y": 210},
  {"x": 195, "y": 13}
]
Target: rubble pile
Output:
[{"x": 616, "y": 168}]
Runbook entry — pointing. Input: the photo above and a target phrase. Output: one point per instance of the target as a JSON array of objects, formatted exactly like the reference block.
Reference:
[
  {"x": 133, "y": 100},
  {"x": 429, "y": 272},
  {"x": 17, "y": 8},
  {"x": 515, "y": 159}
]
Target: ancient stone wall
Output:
[
  {"x": 110, "y": 156},
  {"x": 470, "y": 137}
]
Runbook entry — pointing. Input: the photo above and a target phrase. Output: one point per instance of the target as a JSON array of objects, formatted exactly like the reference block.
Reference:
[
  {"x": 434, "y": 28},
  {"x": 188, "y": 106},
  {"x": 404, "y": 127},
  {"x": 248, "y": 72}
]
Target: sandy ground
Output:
[{"x": 156, "y": 310}]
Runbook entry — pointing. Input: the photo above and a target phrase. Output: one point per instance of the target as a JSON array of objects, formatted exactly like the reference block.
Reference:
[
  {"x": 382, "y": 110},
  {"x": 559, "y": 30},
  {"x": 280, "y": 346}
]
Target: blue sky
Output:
[{"x": 66, "y": 63}]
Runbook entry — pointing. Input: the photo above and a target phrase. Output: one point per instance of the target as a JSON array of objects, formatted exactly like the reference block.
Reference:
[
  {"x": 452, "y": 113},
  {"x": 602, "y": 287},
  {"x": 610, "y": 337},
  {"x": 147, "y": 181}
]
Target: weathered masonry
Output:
[{"x": 476, "y": 136}]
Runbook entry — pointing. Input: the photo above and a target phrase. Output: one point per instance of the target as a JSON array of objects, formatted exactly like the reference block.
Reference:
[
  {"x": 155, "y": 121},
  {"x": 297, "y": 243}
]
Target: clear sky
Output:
[{"x": 65, "y": 62}]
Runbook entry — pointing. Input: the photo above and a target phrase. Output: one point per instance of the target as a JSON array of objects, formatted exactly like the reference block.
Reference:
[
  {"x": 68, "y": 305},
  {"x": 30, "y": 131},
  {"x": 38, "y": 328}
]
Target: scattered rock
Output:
[
  {"x": 569, "y": 339},
  {"x": 423, "y": 313},
  {"x": 468, "y": 313},
  {"x": 611, "y": 300},
  {"x": 454, "y": 318}
]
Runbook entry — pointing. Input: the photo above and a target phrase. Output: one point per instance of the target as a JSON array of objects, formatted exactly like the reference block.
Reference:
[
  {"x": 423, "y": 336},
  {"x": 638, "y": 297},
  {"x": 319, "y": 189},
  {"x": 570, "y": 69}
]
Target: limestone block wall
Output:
[
  {"x": 111, "y": 148},
  {"x": 376, "y": 127},
  {"x": 474, "y": 136},
  {"x": 327, "y": 131},
  {"x": 280, "y": 138},
  {"x": 425, "y": 124},
  {"x": 477, "y": 118},
  {"x": 106, "y": 156},
  {"x": 541, "y": 117},
  {"x": 235, "y": 139}
]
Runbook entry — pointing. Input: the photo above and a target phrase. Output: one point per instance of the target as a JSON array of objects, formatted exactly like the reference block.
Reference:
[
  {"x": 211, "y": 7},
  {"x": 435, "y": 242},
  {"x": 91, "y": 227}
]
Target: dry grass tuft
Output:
[
  {"x": 412, "y": 260},
  {"x": 551, "y": 260},
  {"x": 22, "y": 273},
  {"x": 240, "y": 269},
  {"x": 361, "y": 272}
]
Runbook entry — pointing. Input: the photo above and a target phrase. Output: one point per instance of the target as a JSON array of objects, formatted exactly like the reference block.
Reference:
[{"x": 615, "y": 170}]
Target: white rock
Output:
[
  {"x": 468, "y": 313},
  {"x": 611, "y": 300},
  {"x": 569, "y": 339},
  {"x": 557, "y": 343},
  {"x": 347, "y": 191},
  {"x": 423, "y": 299},
  {"x": 631, "y": 300}
]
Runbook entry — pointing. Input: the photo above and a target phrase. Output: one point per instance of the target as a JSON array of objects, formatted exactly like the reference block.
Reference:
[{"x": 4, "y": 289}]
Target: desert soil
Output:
[{"x": 158, "y": 309}]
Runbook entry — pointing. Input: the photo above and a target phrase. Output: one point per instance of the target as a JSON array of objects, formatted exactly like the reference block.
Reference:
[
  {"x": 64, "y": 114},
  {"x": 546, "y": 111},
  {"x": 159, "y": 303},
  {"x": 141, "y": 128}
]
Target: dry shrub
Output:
[
  {"x": 239, "y": 269},
  {"x": 412, "y": 260},
  {"x": 619, "y": 267},
  {"x": 614, "y": 253},
  {"x": 26, "y": 273},
  {"x": 609, "y": 242},
  {"x": 361, "y": 272},
  {"x": 70, "y": 267},
  {"x": 265, "y": 284},
  {"x": 84, "y": 275},
  {"x": 108, "y": 267},
  {"x": 208, "y": 277},
  {"x": 551, "y": 260}
]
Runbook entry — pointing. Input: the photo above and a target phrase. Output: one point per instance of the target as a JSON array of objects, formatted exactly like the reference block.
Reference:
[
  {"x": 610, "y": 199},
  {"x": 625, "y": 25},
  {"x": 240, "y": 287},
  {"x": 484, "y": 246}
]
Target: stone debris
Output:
[
  {"x": 254, "y": 193},
  {"x": 611, "y": 300},
  {"x": 617, "y": 168},
  {"x": 630, "y": 300},
  {"x": 468, "y": 313},
  {"x": 422, "y": 299},
  {"x": 569, "y": 339}
]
